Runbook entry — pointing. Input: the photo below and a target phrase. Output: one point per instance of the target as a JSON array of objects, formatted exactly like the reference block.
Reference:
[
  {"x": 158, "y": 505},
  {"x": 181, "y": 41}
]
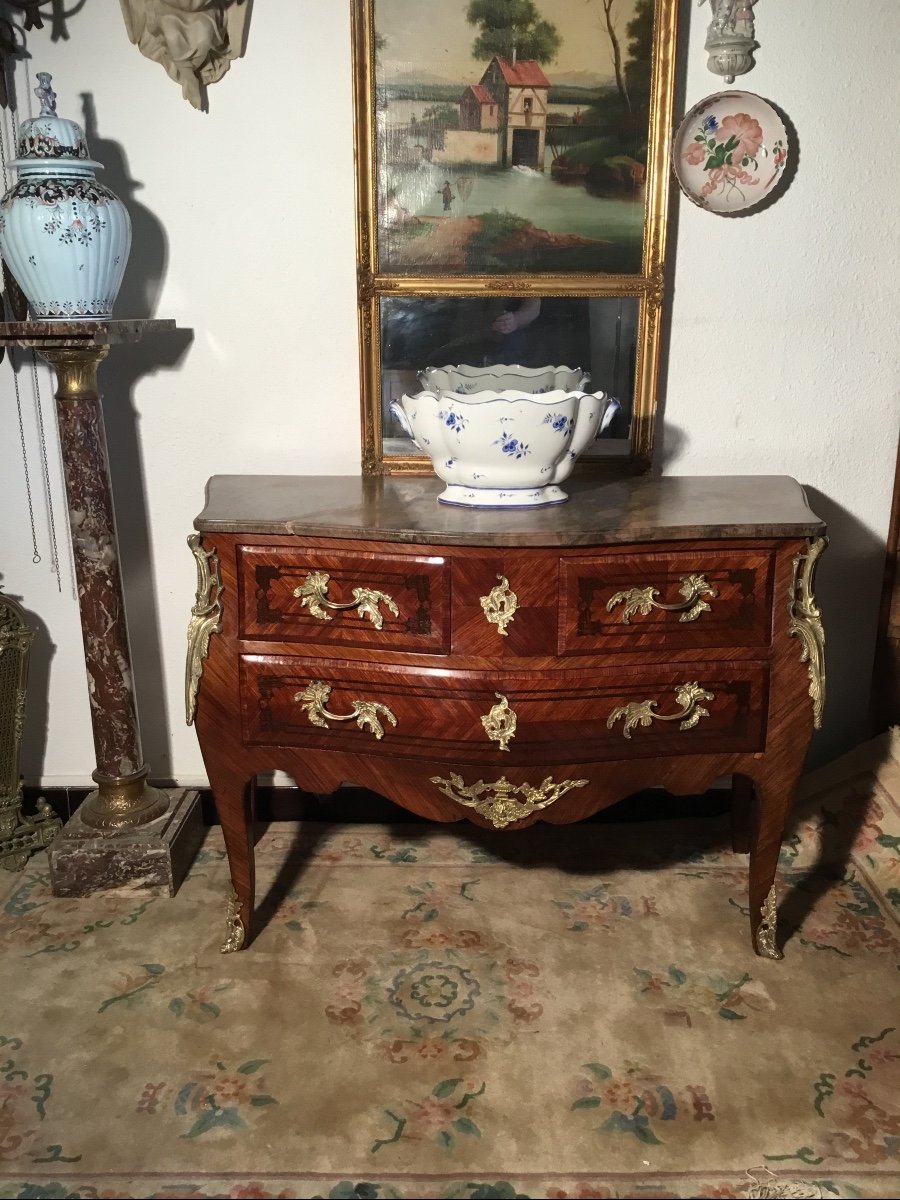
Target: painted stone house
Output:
[
  {"x": 521, "y": 90},
  {"x": 478, "y": 109}
]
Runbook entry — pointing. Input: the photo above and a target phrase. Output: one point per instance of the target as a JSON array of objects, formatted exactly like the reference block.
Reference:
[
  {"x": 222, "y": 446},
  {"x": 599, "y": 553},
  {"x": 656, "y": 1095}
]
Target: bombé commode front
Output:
[{"x": 508, "y": 667}]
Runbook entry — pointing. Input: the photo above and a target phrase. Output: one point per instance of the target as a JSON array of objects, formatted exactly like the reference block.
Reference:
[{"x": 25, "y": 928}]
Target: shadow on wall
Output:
[
  {"x": 119, "y": 375},
  {"x": 670, "y": 444},
  {"x": 847, "y": 590}
]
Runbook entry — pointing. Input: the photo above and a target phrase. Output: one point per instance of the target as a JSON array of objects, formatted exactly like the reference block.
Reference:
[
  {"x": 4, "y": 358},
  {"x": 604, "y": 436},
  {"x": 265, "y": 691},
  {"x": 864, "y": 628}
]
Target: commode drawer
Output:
[
  {"x": 567, "y": 716},
  {"x": 673, "y": 600},
  {"x": 354, "y": 599}
]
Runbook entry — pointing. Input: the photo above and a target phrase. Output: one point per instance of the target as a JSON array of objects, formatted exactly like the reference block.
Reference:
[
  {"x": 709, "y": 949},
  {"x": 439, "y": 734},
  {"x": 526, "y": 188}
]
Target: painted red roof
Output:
[
  {"x": 482, "y": 94},
  {"x": 525, "y": 73}
]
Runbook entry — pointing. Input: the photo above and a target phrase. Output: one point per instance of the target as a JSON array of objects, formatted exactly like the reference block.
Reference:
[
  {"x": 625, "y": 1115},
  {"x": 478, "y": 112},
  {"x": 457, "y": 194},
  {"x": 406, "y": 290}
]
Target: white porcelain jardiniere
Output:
[
  {"x": 503, "y": 449},
  {"x": 64, "y": 236}
]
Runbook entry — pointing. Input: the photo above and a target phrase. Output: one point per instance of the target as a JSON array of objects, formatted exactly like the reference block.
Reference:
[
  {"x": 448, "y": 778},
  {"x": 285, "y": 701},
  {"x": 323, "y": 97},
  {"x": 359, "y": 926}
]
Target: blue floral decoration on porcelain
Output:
[
  {"x": 512, "y": 446},
  {"x": 453, "y": 420},
  {"x": 560, "y": 422}
]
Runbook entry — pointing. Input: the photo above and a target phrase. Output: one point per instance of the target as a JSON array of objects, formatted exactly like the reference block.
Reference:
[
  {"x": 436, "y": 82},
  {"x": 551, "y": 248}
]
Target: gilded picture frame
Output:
[{"x": 430, "y": 250}]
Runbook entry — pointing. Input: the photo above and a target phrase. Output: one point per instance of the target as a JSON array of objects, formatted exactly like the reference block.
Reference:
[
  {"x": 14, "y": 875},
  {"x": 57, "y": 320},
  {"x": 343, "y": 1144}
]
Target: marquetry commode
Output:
[{"x": 507, "y": 666}]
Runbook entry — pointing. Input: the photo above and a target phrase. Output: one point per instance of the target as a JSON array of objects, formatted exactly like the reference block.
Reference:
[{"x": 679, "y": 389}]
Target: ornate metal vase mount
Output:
[{"x": 64, "y": 236}]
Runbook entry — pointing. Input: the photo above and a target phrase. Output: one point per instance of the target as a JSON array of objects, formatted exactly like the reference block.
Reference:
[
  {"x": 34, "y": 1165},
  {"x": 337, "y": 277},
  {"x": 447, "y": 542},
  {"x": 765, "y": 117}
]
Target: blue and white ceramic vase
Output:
[{"x": 64, "y": 236}]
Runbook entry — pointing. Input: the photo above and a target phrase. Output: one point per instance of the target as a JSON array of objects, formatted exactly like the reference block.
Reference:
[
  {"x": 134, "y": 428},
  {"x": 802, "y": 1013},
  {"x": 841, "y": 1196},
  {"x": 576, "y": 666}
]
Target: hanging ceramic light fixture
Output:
[{"x": 64, "y": 236}]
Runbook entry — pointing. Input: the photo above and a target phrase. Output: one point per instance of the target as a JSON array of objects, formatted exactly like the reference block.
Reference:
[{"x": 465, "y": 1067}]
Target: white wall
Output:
[{"x": 782, "y": 355}]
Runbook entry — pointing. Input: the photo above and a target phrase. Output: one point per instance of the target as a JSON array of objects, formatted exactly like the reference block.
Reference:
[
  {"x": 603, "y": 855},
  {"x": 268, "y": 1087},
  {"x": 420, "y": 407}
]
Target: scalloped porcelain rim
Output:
[
  {"x": 502, "y": 368},
  {"x": 468, "y": 373},
  {"x": 507, "y": 396}
]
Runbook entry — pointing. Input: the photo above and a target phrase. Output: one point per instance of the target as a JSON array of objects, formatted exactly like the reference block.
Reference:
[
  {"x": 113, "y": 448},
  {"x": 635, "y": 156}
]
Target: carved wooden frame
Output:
[{"x": 648, "y": 286}]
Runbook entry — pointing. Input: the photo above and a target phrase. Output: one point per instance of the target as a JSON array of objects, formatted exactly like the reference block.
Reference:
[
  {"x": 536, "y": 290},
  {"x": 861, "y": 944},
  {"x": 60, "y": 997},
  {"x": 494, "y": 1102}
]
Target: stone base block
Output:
[{"x": 155, "y": 855}]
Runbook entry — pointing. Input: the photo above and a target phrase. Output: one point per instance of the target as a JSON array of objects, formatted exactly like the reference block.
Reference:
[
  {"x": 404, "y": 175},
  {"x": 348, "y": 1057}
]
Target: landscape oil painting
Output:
[{"x": 511, "y": 136}]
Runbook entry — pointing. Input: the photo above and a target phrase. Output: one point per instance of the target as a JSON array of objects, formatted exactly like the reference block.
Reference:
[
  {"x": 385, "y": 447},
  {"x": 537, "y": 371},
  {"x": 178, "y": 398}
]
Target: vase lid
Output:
[{"x": 48, "y": 138}]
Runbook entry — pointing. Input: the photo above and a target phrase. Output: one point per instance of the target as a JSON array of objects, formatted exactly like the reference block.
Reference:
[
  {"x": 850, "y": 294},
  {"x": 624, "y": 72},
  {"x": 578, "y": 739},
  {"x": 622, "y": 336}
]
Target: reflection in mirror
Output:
[{"x": 595, "y": 333}]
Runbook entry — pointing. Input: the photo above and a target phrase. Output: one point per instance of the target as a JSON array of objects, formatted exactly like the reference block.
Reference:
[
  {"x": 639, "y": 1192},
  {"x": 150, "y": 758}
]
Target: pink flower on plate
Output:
[
  {"x": 748, "y": 132},
  {"x": 696, "y": 153}
]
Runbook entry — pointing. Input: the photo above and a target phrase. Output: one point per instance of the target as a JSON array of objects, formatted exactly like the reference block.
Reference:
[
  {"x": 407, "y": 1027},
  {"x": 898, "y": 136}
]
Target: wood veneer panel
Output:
[{"x": 760, "y": 732}]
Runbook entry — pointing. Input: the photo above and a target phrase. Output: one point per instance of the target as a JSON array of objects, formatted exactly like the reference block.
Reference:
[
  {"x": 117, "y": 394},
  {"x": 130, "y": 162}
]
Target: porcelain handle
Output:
[
  {"x": 402, "y": 419},
  {"x": 612, "y": 407}
]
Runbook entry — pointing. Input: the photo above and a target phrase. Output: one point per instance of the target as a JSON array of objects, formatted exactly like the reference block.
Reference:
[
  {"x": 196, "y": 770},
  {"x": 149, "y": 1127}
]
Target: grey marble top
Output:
[
  {"x": 400, "y": 509},
  {"x": 57, "y": 334}
]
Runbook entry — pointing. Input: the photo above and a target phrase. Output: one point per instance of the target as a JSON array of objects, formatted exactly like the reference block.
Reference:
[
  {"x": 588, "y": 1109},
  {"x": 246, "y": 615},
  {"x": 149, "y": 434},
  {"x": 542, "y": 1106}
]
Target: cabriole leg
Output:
[
  {"x": 234, "y": 795},
  {"x": 770, "y": 813},
  {"x": 741, "y": 813}
]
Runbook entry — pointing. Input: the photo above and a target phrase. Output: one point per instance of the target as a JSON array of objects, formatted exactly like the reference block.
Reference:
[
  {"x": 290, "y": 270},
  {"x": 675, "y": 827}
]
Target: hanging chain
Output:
[
  {"x": 36, "y": 556},
  {"x": 35, "y": 378},
  {"x": 45, "y": 470}
]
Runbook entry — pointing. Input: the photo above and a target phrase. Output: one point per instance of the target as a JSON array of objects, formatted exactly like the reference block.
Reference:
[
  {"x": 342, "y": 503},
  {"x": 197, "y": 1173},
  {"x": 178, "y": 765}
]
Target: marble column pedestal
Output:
[
  {"x": 153, "y": 856},
  {"x": 126, "y": 832}
]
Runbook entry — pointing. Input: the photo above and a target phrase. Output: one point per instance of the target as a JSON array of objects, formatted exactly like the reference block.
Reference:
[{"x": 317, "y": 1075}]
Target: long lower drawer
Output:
[{"x": 540, "y": 717}]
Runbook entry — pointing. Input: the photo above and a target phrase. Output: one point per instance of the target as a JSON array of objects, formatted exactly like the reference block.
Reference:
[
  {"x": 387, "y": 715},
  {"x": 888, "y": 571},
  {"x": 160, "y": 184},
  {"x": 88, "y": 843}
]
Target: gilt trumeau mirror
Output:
[{"x": 512, "y": 182}]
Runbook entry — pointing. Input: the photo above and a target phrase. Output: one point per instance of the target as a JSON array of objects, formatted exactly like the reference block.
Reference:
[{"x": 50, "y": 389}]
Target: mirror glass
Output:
[{"x": 595, "y": 333}]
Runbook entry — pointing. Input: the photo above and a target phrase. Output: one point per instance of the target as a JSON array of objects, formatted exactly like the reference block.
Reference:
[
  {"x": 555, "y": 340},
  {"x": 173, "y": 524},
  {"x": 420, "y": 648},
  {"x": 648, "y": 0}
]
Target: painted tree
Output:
[
  {"x": 512, "y": 29},
  {"x": 609, "y": 22},
  {"x": 640, "y": 58},
  {"x": 632, "y": 57}
]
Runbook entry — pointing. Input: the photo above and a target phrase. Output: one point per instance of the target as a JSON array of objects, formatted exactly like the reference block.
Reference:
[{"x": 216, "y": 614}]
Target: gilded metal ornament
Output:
[
  {"x": 498, "y": 802},
  {"x": 315, "y": 695},
  {"x": 123, "y": 801},
  {"x": 806, "y": 623},
  {"x": 500, "y": 723},
  {"x": 500, "y": 604},
  {"x": 643, "y": 599},
  {"x": 767, "y": 931},
  {"x": 640, "y": 712},
  {"x": 234, "y": 926},
  {"x": 206, "y": 616},
  {"x": 19, "y": 834},
  {"x": 313, "y": 594}
]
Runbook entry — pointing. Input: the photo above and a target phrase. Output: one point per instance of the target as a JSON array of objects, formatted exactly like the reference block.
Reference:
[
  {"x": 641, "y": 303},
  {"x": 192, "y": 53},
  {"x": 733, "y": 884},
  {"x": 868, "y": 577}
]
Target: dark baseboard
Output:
[{"x": 358, "y": 806}]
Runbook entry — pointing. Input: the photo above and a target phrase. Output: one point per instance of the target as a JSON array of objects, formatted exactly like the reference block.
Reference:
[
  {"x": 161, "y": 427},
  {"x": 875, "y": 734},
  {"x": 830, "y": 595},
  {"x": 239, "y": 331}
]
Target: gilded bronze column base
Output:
[
  {"x": 155, "y": 855},
  {"x": 123, "y": 802}
]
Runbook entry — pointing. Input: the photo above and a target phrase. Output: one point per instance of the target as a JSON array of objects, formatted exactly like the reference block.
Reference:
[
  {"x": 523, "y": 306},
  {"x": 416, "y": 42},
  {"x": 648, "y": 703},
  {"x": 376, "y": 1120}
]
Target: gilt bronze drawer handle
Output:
[
  {"x": 315, "y": 695},
  {"x": 312, "y": 594},
  {"x": 497, "y": 801},
  {"x": 642, "y": 600},
  {"x": 500, "y": 723},
  {"x": 640, "y": 712},
  {"x": 500, "y": 605}
]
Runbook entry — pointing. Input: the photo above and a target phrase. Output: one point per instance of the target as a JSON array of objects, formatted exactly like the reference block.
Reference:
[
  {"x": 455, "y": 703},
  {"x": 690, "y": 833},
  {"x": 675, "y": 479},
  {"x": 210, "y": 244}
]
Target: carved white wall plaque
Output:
[{"x": 193, "y": 40}]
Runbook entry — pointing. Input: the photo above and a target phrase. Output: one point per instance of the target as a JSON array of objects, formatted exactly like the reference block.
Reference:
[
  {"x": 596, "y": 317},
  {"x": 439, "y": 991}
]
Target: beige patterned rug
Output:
[{"x": 436, "y": 1012}]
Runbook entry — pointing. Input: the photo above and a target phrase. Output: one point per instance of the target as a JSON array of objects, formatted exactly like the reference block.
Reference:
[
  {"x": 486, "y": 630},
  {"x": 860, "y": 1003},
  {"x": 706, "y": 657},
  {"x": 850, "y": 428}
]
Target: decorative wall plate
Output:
[{"x": 730, "y": 152}]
